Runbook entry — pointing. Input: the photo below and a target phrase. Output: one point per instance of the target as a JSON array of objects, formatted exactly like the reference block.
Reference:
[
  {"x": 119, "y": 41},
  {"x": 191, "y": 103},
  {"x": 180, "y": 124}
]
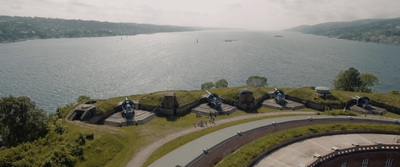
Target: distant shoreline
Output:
[{"x": 17, "y": 29}]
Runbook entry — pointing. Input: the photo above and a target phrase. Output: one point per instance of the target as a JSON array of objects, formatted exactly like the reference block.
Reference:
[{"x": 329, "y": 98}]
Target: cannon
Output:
[
  {"x": 279, "y": 96},
  {"x": 363, "y": 102},
  {"x": 214, "y": 101},
  {"x": 128, "y": 108}
]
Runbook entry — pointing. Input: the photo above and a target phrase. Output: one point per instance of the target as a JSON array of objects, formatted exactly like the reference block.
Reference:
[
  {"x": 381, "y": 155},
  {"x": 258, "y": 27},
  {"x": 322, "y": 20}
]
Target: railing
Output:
[
  {"x": 214, "y": 154},
  {"x": 354, "y": 150}
]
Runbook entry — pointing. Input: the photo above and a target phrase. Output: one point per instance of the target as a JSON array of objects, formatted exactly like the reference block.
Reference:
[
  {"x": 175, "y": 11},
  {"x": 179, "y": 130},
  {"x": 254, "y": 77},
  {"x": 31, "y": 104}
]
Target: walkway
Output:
[
  {"x": 302, "y": 153},
  {"x": 188, "y": 152},
  {"x": 146, "y": 152}
]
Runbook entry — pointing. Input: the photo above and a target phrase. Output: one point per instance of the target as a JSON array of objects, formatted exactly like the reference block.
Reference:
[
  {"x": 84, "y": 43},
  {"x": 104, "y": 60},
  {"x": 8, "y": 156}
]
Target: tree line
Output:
[
  {"x": 30, "y": 137},
  {"x": 370, "y": 30},
  {"x": 252, "y": 81},
  {"x": 23, "y": 28},
  {"x": 347, "y": 80}
]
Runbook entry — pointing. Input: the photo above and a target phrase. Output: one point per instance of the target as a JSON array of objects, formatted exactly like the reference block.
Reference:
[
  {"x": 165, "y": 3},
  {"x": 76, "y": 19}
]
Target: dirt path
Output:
[{"x": 146, "y": 152}]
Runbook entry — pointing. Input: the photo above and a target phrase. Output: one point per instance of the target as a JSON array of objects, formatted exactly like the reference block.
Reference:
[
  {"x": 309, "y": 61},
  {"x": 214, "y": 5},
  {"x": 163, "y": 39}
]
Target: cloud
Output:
[{"x": 253, "y": 14}]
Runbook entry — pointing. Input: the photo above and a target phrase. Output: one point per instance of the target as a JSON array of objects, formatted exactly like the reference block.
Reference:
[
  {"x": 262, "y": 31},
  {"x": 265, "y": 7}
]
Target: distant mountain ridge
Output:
[
  {"x": 370, "y": 30},
  {"x": 14, "y": 29}
]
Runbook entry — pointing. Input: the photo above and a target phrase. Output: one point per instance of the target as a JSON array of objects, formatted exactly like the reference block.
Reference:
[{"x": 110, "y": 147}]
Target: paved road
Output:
[
  {"x": 186, "y": 153},
  {"x": 302, "y": 153},
  {"x": 146, "y": 152}
]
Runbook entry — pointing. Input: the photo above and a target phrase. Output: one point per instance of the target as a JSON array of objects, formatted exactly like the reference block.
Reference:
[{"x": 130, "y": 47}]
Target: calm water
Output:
[{"x": 55, "y": 72}]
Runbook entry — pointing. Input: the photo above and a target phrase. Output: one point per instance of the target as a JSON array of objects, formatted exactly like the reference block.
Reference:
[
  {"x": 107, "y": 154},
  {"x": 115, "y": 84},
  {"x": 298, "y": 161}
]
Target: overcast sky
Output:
[{"x": 247, "y": 14}]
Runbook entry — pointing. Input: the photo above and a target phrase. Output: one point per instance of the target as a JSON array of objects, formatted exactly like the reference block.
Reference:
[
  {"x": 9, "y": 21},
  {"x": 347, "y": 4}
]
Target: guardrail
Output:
[
  {"x": 216, "y": 153},
  {"x": 354, "y": 150}
]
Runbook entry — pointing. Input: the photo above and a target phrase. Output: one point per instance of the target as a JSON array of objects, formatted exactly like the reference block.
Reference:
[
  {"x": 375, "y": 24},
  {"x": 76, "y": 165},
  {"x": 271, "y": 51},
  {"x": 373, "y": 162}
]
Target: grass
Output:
[
  {"x": 305, "y": 93},
  {"x": 173, "y": 144},
  {"x": 309, "y": 94},
  {"x": 245, "y": 154},
  {"x": 114, "y": 146}
]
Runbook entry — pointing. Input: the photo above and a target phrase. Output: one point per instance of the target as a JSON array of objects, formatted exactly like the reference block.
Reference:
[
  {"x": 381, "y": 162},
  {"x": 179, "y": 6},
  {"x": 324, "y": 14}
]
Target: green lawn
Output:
[
  {"x": 131, "y": 139},
  {"x": 113, "y": 146},
  {"x": 245, "y": 154}
]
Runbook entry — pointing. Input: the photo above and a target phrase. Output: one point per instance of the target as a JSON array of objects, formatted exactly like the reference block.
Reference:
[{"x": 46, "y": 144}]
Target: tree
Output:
[
  {"x": 256, "y": 81},
  {"x": 20, "y": 121},
  {"x": 207, "y": 85},
  {"x": 351, "y": 80},
  {"x": 367, "y": 80},
  {"x": 82, "y": 98},
  {"x": 222, "y": 83},
  {"x": 348, "y": 80},
  {"x": 60, "y": 157},
  {"x": 395, "y": 92}
]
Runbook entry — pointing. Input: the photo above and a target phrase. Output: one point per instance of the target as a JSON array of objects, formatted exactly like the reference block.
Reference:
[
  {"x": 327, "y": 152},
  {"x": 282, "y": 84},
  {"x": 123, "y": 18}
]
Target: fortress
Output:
[{"x": 245, "y": 101}]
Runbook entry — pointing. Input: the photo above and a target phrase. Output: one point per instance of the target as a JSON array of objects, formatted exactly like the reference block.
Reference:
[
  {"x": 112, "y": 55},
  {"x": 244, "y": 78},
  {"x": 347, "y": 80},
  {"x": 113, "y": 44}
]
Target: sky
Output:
[{"x": 245, "y": 14}]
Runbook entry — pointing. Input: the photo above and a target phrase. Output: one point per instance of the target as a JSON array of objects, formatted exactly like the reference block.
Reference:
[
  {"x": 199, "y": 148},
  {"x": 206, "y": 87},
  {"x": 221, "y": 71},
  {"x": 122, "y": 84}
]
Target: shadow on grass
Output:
[
  {"x": 172, "y": 118},
  {"x": 252, "y": 111}
]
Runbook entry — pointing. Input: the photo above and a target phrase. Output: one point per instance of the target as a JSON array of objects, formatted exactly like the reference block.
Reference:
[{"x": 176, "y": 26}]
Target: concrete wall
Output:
[
  {"x": 319, "y": 107},
  {"x": 387, "y": 107},
  {"x": 255, "y": 104},
  {"x": 100, "y": 119},
  {"x": 181, "y": 111},
  {"x": 377, "y": 155},
  {"x": 218, "y": 152}
]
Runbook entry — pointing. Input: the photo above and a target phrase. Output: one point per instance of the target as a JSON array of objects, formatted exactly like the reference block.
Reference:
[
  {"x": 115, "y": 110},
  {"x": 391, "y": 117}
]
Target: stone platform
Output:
[
  {"x": 205, "y": 109},
  {"x": 290, "y": 105},
  {"x": 372, "y": 110},
  {"x": 141, "y": 117}
]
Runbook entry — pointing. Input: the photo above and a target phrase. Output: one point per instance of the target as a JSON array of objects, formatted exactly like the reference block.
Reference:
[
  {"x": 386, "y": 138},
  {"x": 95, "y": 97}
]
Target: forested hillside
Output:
[
  {"x": 371, "y": 30},
  {"x": 22, "y": 28}
]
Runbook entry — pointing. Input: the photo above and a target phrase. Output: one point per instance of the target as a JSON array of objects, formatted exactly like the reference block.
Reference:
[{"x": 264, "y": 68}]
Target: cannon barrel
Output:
[
  {"x": 128, "y": 107},
  {"x": 214, "y": 100},
  {"x": 279, "y": 96}
]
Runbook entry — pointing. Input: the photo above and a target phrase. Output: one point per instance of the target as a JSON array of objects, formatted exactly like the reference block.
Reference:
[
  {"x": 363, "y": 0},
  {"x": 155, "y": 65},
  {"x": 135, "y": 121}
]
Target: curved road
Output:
[
  {"x": 194, "y": 149},
  {"x": 146, "y": 152}
]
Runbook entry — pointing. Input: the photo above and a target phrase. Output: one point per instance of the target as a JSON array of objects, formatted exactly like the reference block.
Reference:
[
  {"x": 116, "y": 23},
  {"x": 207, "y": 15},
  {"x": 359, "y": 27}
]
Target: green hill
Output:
[
  {"x": 370, "y": 30},
  {"x": 14, "y": 29}
]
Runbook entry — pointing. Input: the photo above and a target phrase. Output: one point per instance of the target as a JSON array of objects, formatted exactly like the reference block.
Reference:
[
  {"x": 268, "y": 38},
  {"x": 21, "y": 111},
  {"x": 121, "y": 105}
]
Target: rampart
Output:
[
  {"x": 371, "y": 150},
  {"x": 218, "y": 152}
]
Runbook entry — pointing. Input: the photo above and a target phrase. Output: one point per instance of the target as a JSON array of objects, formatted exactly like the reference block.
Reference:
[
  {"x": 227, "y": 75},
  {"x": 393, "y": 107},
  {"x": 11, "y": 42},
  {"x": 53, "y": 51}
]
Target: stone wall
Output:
[
  {"x": 387, "y": 107},
  {"x": 181, "y": 111},
  {"x": 320, "y": 107}
]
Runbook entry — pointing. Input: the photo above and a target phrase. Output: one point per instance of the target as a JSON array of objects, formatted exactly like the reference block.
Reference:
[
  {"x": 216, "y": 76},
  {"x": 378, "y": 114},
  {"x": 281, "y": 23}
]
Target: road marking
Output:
[
  {"x": 312, "y": 141},
  {"x": 277, "y": 161},
  {"x": 364, "y": 139}
]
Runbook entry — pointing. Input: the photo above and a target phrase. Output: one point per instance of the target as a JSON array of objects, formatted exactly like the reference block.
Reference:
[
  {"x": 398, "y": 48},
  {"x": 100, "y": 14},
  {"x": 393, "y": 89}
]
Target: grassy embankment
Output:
[
  {"x": 129, "y": 140},
  {"x": 144, "y": 135},
  {"x": 245, "y": 154},
  {"x": 114, "y": 146}
]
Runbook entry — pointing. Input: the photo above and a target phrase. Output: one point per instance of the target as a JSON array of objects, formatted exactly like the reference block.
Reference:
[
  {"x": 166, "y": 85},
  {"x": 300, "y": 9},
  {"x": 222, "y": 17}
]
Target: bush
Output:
[
  {"x": 222, "y": 83},
  {"x": 257, "y": 81},
  {"x": 82, "y": 99},
  {"x": 207, "y": 86},
  {"x": 22, "y": 122},
  {"x": 81, "y": 140}
]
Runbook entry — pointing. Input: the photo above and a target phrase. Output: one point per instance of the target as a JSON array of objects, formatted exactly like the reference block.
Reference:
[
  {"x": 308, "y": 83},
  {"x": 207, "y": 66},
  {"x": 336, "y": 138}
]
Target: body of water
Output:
[{"x": 55, "y": 72}]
